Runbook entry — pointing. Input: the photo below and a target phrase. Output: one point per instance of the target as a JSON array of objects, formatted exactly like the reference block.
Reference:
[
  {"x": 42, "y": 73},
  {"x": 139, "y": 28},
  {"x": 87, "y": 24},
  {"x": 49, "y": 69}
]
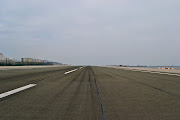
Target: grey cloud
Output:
[{"x": 92, "y": 31}]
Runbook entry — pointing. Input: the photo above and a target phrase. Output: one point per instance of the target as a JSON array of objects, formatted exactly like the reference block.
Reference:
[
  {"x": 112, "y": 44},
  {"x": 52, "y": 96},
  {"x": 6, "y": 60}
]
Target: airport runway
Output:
[{"x": 88, "y": 93}]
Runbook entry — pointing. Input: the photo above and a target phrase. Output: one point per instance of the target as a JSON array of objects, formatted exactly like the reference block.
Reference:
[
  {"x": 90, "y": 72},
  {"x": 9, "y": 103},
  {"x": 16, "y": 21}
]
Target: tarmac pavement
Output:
[{"x": 88, "y": 93}]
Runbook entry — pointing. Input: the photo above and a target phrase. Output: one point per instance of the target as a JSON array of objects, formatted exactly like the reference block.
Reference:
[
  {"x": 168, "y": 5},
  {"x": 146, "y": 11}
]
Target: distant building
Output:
[
  {"x": 31, "y": 60},
  {"x": 2, "y": 57},
  {"x": 6, "y": 60},
  {"x": 37, "y": 61},
  {"x": 24, "y": 61}
]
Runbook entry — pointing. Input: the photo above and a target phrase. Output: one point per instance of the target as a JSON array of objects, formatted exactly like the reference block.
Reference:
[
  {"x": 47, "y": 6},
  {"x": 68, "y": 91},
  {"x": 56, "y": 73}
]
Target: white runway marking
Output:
[
  {"x": 80, "y": 67},
  {"x": 154, "y": 72},
  {"x": 70, "y": 71},
  {"x": 145, "y": 71},
  {"x": 16, "y": 90},
  {"x": 163, "y": 73},
  {"x": 174, "y": 74}
]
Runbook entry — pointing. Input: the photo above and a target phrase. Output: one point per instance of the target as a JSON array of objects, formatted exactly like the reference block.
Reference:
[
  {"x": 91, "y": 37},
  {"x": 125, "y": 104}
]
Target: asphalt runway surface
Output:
[{"x": 88, "y": 93}]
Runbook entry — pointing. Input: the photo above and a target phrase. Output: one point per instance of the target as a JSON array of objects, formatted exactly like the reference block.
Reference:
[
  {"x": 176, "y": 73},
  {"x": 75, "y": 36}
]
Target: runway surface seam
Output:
[{"x": 99, "y": 98}]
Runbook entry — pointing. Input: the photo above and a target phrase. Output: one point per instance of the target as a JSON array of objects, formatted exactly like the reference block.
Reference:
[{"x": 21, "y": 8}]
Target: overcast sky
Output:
[{"x": 92, "y": 32}]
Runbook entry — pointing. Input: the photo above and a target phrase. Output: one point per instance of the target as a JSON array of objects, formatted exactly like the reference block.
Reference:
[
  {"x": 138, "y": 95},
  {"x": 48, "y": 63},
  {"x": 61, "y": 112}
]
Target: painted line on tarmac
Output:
[
  {"x": 80, "y": 67},
  {"x": 146, "y": 71},
  {"x": 70, "y": 71},
  {"x": 174, "y": 74},
  {"x": 16, "y": 90},
  {"x": 168, "y": 74},
  {"x": 155, "y": 72},
  {"x": 163, "y": 73}
]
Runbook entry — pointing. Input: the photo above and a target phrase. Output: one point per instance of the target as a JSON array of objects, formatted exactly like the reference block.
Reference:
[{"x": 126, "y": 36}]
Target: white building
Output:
[{"x": 2, "y": 57}]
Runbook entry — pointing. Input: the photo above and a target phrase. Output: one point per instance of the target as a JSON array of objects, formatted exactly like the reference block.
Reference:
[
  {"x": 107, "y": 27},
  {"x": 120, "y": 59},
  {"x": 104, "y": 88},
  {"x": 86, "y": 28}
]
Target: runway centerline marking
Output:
[
  {"x": 70, "y": 71},
  {"x": 16, "y": 90},
  {"x": 80, "y": 67}
]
